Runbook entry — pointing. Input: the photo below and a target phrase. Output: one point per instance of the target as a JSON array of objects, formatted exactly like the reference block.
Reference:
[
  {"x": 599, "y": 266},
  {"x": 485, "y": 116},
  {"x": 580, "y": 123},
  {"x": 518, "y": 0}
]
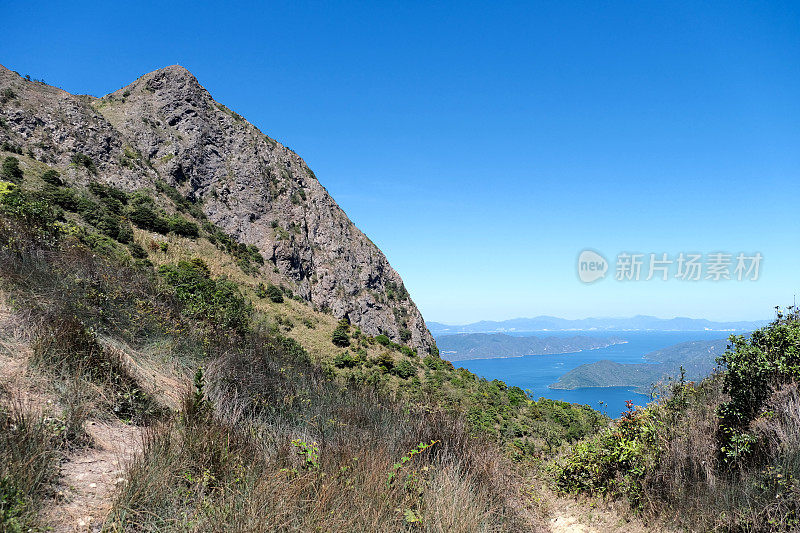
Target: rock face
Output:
[{"x": 166, "y": 126}]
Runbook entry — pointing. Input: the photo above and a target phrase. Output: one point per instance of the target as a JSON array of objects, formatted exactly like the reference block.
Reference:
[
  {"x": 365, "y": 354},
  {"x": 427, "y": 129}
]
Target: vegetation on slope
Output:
[
  {"x": 723, "y": 453},
  {"x": 370, "y": 438}
]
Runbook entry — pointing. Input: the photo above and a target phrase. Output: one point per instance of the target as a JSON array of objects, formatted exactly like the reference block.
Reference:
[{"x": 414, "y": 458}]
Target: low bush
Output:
[
  {"x": 83, "y": 160},
  {"x": 274, "y": 294},
  {"x": 147, "y": 218},
  {"x": 218, "y": 301},
  {"x": 11, "y": 171},
  {"x": 184, "y": 228},
  {"x": 52, "y": 177},
  {"x": 341, "y": 335}
]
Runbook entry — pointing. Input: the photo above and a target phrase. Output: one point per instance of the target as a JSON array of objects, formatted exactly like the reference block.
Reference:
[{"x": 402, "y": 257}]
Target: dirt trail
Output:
[
  {"x": 91, "y": 475},
  {"x": 588, "y": 515}
]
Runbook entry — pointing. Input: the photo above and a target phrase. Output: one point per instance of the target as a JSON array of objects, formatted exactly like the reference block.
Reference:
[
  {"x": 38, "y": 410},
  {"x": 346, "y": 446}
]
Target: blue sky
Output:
[{"x": 482, "y": 146}]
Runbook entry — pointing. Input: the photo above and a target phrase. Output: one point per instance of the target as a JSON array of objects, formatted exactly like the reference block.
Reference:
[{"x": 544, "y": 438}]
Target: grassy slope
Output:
[{"x": 105, "y": 324}]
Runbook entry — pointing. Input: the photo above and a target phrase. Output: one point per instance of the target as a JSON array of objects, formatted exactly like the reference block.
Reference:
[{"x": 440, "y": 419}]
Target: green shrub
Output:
[
  {"x": 274, "y": 294},
  {"x": 102, "y": 191},
  {"x": 52, "y": 177},
  {"x": 383, "y": 340},
  {"x": 125, "y": 233},
  {"x": 347, "y": 360},
  {"x": 385, "y": 361},
  {"x": 33, "y": 209},
  {"x": 184, "y": 228},
  {"x": 9, "y": 147},
  {"x": 261, "y": 291},
  {"x": 754, "y": 368},
  {"x": 7, "y": 94},
  {"x": 11, "y": 171},
  {"x": 216, "y": 301},
  {"x": 341, "y": 335},
  {"x": 137, "y": 251},
  {"x": 64, "y": 198},
  {"x": 407, "y": 351},
  {"x": 405, "y": 369},
  {"x": 83, "y": 160},
  {"x": 147, "y": 218}
]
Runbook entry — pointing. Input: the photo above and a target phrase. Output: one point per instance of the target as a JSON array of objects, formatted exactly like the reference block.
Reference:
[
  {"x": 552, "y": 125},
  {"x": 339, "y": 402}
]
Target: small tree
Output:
[
  {"x": 405, "y": 369},
  {"x": 11, "y": 171},
  {"x": 274, "y": 294},
  {"x": 341, "y": 335},
  {"x": 52, "y": 177}
]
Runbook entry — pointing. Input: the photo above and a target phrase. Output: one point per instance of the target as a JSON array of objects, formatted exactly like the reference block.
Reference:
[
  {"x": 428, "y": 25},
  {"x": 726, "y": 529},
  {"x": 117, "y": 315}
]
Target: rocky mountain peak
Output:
[{"x": 166, "y": 126}]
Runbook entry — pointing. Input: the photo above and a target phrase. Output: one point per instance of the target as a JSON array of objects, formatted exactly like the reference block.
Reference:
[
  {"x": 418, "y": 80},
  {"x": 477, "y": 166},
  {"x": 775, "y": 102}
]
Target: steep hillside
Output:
[{"x": 165, "y": 128}]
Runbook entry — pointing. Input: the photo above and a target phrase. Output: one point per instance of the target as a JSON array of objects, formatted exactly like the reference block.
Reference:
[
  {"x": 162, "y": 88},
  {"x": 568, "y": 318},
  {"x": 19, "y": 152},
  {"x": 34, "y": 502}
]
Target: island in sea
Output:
[
  {"x": 499, "y": 345},
  {"x": 697, "y": 358}
]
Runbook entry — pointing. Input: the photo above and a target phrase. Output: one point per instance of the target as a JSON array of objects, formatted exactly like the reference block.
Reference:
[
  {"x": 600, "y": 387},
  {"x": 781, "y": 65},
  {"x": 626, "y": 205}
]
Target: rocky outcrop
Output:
[{"x": 165, "y": 125}]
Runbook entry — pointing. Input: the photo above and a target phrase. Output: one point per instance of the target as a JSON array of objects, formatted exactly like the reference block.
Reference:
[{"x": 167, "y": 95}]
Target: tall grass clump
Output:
[
  {"x": 277, "y": 445},
  {"x": 29, "y": 459}
]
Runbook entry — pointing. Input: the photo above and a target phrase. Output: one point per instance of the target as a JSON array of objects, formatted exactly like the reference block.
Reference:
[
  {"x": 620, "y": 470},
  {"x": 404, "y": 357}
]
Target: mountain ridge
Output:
[
  {"x": 551, "y": 323},
  {"x": 166, "y": 126},
  {"x": 466, "y": 346}
]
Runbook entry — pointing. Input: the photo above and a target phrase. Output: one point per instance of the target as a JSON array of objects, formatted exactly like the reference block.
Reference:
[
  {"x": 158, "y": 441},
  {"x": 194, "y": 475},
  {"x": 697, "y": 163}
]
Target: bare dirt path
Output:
[
  {"x": 90, "y": 476},
  {"x": 564, "y": 514}
]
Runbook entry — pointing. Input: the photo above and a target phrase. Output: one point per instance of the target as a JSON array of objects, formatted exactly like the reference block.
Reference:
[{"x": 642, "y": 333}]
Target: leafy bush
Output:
[
  {"x": 347, "y": 360},
  {"x": 7, "y": 94},
  {"x": 104, "y": 191},
  {"x": 184, "y": 228},
  {"x": 137, "y": 252},
  {"x": 383, "y": 340},
  {"x": 756, "y": 367},
  {"x": 147, "y": 218},
  {"x": 83, "y": 160},
  {"x": 217, "y": 301},
  {"x": 11, "y": 171},
  {"x": 52, "y": 177},
  {"x": 274, "y": 294},
  {"x": 341, "y": 335},
  {"x": 385, "y": 361},
  {"x": 407, "y": 351},
  {"x": 35, "y": 211},
  {"x": 64, "y": 198},
  {"x": 613, "y": 462},
  {"x": 405, "y": 369}
]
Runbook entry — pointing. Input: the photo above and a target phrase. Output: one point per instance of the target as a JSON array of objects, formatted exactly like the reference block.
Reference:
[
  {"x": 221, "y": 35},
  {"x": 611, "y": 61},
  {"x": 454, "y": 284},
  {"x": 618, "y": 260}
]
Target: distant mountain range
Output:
[
  {"x": 496, "y": 345},
  {"x": 698, "y": 358},
  {"x": 636, "y": 323}
]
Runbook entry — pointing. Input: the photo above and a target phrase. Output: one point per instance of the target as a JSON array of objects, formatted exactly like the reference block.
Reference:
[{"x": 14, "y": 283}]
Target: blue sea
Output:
[{"x": 536, "y": 372}]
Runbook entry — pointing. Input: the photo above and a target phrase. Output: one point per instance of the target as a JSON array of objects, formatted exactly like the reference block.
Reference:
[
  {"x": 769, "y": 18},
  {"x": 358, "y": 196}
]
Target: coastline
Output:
[{"x": 486, "y": 358}]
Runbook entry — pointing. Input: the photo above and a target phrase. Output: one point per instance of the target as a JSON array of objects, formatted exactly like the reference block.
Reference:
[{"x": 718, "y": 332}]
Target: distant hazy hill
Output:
[
  {"x": 492, "y": 345},
  {"x": 698, "y": 358},
  {"x": 550, "y": 323}
]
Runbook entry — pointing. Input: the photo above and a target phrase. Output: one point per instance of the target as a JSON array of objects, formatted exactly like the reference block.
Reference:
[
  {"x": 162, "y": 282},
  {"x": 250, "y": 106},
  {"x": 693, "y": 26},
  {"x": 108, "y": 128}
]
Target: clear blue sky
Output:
[{"x": 483, "y": 146}]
